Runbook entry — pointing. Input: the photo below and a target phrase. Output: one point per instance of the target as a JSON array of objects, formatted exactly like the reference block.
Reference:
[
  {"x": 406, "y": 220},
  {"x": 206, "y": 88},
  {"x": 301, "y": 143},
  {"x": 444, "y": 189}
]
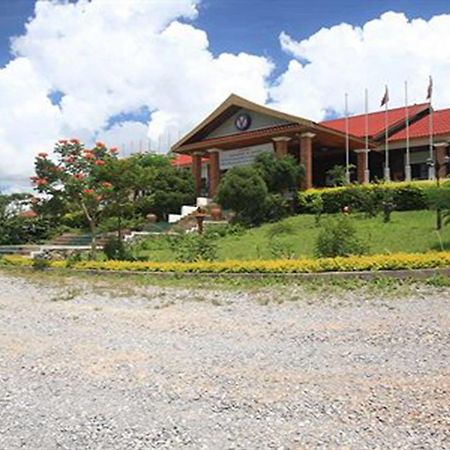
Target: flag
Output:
[
  {"x": 385, "y": 99},
  {"x": 430, "y": 89}
]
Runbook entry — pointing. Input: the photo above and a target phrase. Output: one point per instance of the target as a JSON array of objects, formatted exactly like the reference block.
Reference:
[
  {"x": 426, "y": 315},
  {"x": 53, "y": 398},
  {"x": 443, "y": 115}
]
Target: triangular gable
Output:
[
  {"x": 257, "y": 121},
  {"x": 221, "y": 121}
]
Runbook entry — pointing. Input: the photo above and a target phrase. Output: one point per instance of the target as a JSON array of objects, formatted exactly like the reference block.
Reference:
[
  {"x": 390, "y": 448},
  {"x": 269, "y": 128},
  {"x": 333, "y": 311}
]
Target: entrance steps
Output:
[{"x": 187, "y": 210}]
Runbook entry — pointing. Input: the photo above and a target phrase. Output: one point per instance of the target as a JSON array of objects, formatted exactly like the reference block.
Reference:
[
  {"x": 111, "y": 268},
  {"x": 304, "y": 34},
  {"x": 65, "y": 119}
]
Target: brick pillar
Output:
[
  {"x": 362, "y": 166},
  {"x": 214, "y": 171},
  {"x": 280, "y": 145},
  {"x": 441, "y": 152},
  {"x": 306, "y": 158},
  {"x": 197, "y": 172}
]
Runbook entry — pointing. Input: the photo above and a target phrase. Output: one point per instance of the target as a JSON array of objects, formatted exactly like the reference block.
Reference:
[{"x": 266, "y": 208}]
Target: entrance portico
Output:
[{"x": 236, "y": 132}]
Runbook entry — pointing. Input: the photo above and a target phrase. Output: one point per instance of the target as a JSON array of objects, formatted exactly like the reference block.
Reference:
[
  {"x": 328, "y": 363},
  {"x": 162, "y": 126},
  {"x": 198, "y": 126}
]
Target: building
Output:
[{"x": 238, "y": 130}]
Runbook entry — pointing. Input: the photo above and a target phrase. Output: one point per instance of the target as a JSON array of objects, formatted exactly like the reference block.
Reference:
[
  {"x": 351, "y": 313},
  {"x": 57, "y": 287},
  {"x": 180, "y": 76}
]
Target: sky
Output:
[{"x": 135, "y": 73}]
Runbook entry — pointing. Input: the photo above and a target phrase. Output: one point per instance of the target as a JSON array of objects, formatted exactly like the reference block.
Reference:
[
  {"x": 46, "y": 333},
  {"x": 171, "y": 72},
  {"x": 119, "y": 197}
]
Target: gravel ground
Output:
[{"x": 88, "y": 365}]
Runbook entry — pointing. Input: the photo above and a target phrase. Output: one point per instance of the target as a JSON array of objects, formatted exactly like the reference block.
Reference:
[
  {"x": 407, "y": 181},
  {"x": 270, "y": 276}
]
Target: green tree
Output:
[
  {"x": 243, "y": 190},
  {"x": 279, "y": 174},
  {"x": 162, "y": 188},
  {"x": 18, "y": 223},
  {"x": 77, "y": 175}
]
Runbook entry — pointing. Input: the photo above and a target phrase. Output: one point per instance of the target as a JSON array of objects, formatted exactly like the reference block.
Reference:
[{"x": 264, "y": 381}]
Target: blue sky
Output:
[
  {"x": 253, "y": 25},
  {"x": 136, "y": 71}
]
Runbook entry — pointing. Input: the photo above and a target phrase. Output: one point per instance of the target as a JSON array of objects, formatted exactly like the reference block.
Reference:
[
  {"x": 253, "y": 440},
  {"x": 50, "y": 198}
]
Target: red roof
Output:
[
  {"x": 376, "y": 125},
  {"x": 184, "y": 160},
  {"x": 421, "y": 128}
]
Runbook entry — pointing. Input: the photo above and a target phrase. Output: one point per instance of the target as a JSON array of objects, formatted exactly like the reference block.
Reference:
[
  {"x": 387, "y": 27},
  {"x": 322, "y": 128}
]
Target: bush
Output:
[
  {"x": 193, "y": 247},
  {"x": 396, "y": 261},
  {"x": 40, "y": 263},
  {"x": 223, "y": 229},
  {"x": 279, "y": 174},
  {"x": 23, "y": 230},
  {"x": 244, "y": 191},
  {"x": 338, "y": 174},
  {"x": 367, "y": 198},
  {"x": 115, "y": 249},
  {"x": 280, "y": 228},
  {"x": 276, "y": 208},
  {"x": 338, "y": 238}
]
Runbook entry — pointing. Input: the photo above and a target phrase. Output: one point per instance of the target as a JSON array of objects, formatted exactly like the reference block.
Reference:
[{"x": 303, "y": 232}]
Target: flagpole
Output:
[
  {"x": 387, "y": 172},
  {"x": 407, "y": 159},
  {"x": 366, "y": 125},
  {"x": 347, "y": 143},
  {"x": 431, "y": 169}
]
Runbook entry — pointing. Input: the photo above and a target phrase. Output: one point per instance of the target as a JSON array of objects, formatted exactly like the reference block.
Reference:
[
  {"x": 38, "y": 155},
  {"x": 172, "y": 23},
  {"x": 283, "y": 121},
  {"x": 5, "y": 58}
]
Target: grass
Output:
[
  {"x": 409, "y": 231},
  {"x": 126, "y": 286}
]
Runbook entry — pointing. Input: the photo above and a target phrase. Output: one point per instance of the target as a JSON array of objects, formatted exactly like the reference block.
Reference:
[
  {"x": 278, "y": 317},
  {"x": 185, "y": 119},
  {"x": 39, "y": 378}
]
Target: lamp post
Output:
[{"x": 437, "y": 165}]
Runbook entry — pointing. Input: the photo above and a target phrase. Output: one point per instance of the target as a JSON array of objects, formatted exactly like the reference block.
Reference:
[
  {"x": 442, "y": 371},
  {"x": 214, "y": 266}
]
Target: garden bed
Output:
[{"x": 373, "y": 263}]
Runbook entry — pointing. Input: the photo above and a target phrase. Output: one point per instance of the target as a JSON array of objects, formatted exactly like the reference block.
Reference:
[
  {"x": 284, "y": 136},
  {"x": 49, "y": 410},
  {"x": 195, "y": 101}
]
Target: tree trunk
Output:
[{"x": 93, "y": 239}]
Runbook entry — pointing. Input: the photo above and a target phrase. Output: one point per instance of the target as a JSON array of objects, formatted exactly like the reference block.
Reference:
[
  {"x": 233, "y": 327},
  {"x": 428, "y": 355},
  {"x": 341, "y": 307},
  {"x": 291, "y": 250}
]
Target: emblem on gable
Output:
[{"x": 243, "y": 122}]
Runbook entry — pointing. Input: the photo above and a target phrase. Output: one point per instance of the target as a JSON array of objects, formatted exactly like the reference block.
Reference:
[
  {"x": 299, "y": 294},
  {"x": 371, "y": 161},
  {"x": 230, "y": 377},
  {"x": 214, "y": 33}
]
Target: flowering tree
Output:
[{"x": 77, "y": 175}]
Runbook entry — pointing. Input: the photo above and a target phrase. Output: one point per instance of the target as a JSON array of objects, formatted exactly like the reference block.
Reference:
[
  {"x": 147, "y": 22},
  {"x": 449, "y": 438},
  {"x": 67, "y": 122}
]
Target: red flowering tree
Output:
[{"x": 79, "y": 176}]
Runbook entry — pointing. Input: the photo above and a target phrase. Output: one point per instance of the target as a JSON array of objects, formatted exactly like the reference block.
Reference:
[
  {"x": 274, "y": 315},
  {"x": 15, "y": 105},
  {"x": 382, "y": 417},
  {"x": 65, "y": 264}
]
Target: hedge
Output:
[
  {"x": 398, "y": 261},
  {"x": 370, "y": 197}
]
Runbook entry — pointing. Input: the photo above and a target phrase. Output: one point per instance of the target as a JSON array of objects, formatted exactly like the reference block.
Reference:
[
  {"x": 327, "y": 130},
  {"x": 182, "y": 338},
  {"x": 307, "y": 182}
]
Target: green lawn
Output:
[{"x": 410, "y": 231}]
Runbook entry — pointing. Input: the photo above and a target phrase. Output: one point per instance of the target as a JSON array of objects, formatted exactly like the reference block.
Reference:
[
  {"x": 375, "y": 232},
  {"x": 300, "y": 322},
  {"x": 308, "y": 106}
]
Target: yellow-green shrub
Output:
[
  {"x": 405, "y": 196},
  {"x": 395, "y": 261}
]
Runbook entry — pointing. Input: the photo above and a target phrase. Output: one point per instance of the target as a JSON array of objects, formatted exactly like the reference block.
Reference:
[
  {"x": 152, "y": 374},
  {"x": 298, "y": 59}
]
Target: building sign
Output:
[{"x": 242, "y": 156}]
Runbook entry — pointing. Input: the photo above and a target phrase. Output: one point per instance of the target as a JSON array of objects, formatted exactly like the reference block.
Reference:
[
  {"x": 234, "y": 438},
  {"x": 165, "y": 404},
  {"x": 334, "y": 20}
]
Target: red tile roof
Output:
[
  {"x": 421, "y": 128},
  {"x": 376, "y": 125},
  {"x": 184, "y": 160}
]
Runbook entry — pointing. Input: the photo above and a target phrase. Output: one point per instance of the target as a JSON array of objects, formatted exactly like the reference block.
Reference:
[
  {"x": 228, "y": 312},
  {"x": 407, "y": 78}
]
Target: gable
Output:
[
  {"x": 258, "y": 121},
  {"x": 221, "y": 122}
]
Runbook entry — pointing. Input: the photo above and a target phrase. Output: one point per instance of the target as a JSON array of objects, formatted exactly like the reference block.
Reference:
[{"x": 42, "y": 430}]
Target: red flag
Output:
[
  {"x": 430, "y": 88},
  {"x": 385, "y": 98}
]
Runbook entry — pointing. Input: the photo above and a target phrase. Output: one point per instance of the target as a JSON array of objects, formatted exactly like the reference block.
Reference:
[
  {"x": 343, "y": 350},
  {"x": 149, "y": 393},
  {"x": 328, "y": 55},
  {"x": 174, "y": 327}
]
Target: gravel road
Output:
[{"x": 88, "y": 365}]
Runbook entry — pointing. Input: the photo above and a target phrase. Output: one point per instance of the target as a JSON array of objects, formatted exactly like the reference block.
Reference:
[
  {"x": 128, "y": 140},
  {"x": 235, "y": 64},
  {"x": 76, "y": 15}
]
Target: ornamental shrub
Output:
[
  {"x": 114, "y": 248},
  {"x": 193, "y": 247},
  {"x": 395, "y": 261},
  {"x": 338, "y": 238},
  {"x": 40, "y": 263},
  {"x": 279, "y": 174},
  {"x": 276, "y": 208},
  {"x": 368, "y": 198},
  {"x": 244, "y": 191}
]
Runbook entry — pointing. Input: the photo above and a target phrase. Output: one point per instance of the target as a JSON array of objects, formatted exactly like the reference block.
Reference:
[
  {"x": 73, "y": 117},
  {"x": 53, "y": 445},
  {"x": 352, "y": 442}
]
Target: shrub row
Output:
[
  {"x": 396, "y": 261},
  {"x": 369, "y": 197}
]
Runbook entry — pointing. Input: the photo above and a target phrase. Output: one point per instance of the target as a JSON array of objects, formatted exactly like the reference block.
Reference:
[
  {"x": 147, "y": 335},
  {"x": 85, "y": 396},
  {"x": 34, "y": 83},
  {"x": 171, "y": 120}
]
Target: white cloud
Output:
[
  {"x": 387, "y": 50},
  {"x": 28, "y": 120},
  {"x": 108, "y": 58},
  {"x": 128, "y": 136}
]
